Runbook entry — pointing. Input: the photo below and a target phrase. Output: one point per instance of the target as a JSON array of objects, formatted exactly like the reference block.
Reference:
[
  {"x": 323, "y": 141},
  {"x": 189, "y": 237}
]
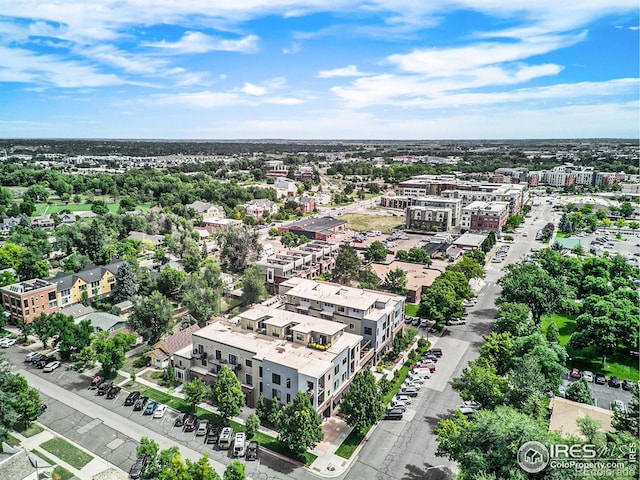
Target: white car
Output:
[
  {"x": 409, "y": 383},
  {"x": 562, "y": 390},
  {"x": 618, "y": 406},
  {"x": 456, "y": 322},
  {"x": 7, "y": 342},
  {"x": 587, "y": 375},
  {"x": 51, "y": 366},
  {"x": 415, "y": 378},
  {"x": 470, "y": 404},
  {"x": 160, "y": 411},
  {"x": 406, "y": 399}
]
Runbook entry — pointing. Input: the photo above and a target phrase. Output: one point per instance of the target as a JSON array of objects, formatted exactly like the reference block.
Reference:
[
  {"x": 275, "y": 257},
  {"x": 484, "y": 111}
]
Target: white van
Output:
[
  {"x": 226, "y": 437},
  {"x": 525, "y": 234},
  {"x": 239, "y": 444}
]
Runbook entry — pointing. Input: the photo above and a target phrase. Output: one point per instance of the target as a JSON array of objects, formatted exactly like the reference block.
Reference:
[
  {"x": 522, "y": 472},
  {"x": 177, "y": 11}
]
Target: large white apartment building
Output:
[
  {"x": 277, "y": 353},
  {"x": 376, "y": 316}
]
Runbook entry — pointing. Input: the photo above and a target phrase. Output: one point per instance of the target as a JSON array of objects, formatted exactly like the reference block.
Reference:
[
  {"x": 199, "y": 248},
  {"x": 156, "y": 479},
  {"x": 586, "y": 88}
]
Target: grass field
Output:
[
  {"x": 587, "y": 359},
  {"x": 29, "y": 430},
  {"x": 62, "y": 473},
  {"x": 46, "y": 209},
  {"x": 263, "y": 439},
  {"x": 66, "y": 452},
  {"x": 411, "y": 309},
  {"x": 360, "y": 222}
]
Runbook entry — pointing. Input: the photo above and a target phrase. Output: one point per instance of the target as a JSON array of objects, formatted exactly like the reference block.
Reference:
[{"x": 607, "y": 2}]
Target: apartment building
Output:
[
  {"x": 258, "y": 208},
  {"x": 376, "y": 316},
  {"x": 24, "y": 301},
  {"x": 95, "y": 281},
  {"x": 396, "y": 201},
  {"x": 277, "y": 353},
  {"x": 428, "y": 218},
  {"x": 306, "y": 261},
  {"x": 484, "y": 216}
]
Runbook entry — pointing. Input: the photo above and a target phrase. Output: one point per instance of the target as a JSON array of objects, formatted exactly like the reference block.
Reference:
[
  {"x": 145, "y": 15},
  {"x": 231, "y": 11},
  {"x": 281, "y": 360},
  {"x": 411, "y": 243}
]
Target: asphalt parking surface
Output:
[{"x": 603, "y": 394}]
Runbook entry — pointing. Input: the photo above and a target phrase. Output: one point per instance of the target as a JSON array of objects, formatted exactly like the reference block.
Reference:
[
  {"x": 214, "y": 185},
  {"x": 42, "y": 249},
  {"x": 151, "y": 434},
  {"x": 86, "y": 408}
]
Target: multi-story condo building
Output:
[
  {"x": 95, "y": 281},
  {"x": 484, "y": 216},
  {"x": 376, "y": 316},
  {"x": 396, "y": 201},
  {"x": 454, "y": 205},
  {"x": 306, "y": 261},
  {"x": 276, "y": 353},
  {"x": 419, "y": 217},
  {"x": 29, "y": 299}
]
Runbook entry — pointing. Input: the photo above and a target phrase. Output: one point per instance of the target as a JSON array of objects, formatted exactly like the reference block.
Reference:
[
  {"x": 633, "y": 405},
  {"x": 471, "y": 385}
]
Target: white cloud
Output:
[
  {"x": 294, "y": 48},
  {"x": 634, "y": 28},
  {"x": 251, "y": 89},
  {"x": 197, "y": 42},
  {"x": 348, "y": 71}
]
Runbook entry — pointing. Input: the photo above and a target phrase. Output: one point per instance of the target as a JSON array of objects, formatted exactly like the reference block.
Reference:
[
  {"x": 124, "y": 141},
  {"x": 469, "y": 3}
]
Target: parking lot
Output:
[{"x": 603, "y": 394}]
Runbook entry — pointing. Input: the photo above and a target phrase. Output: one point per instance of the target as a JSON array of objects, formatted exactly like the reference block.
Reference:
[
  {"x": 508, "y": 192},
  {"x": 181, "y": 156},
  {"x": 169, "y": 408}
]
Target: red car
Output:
[
  {"x": 575, "y": 373},
  {"x": 430, "y": 365}
]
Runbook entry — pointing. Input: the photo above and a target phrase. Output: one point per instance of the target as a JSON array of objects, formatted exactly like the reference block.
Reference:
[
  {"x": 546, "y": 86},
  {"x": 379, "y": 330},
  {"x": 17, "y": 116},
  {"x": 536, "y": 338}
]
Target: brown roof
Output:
[
  {"x": 566, "y": 412},
  {"x": 177, "y": 341},
  {"x": 158, "y": 354}
]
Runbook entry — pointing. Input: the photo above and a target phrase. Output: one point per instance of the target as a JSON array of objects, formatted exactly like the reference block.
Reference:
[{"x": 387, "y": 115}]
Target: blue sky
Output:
[{"x": 319, "y": 69}]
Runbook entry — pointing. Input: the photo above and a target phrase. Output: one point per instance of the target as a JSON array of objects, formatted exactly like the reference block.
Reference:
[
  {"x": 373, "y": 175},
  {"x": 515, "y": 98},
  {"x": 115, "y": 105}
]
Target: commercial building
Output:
[
  {"x": 376, "y": 316},
  {"x": 419, "y": 277},
  {"x": 276, "y": 353},
  {"x": 320, "y": 228},
  {"x": 306, "y": 261},
  {"x": 24, "y": 301},
  {"x": 484, "y": 216}
]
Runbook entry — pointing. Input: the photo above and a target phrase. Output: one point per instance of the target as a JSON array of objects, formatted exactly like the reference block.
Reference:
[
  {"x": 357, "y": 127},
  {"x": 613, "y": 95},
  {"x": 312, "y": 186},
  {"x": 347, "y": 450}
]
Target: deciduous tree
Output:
[
  {"x": 254, "y": 289},
  {"x": 362, "y": 404},
  {"x": 300, "y": 426},
  {"x": 195, "y": 392},
  {"x": 110, "y": 350},
  {"x": 227, "y": 393},
  {"x": 347, "y": 265},
  {"x": 151, "y": 316}
]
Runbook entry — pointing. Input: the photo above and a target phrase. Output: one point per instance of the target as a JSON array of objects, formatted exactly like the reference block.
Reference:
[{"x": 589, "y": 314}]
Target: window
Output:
[
  {"x": 368, "y": 331},
  {"x": 336, "y": 370},
  {"x": 203, "y": 362},
  {"x": 275, "y": 332},
  {"x": 260, "y": 372},
  {"x": 288, "y": 398},
  {"x": 276, "y": 394},
  {"x": 288, "y": 383},
  {"x": 344, "y": 360},
  {"x": 233, "y": 359},
  {"x": 351, "y": 326},
  {"x": 300, "y": 337},
  {"x": 248, "y": 363},
  {"x": 341, "y": 309},
  {"x": 248, "y": 379},
  {"x": 218, "y": 355},
  {"x": 275, "y": 378},
  {"x": 249, "y": 325}
]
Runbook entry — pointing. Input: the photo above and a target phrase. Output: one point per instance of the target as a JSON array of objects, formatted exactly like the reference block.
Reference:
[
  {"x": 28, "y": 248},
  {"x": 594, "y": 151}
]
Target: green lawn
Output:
[
  {"x": 411, "y": 309},
  {"x": 62, "y": 473},
  {"x": 66, "y": 452},
  {"x": 41, "y": 208},
  {"x": 43, "y": 457},
  {"x": 29, "y": 430},
  {"x": 623, "y": 366},
  {"x": 11, "y": 440},
  {"x": 263, "y": 439}
]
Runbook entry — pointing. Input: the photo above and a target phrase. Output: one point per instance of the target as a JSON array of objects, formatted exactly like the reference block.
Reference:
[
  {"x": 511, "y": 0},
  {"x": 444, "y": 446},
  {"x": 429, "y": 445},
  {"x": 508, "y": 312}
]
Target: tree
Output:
[
  {"x": 110, "y": 350},
  {"x": 19, "y": 403},
  {"x": 44, "y": 328},
  {"x": 238, "y": 247},
  {"x": 527, "y": 388},
  {"x": 202, "y": 469},
  {"x": 201, "y": 300},
  {"x": 362, "y": 404},
  {"x": 440, "y": 303},
  {"x": 300, "y": 426},
  {"x": 396, "y": 281},
  {"x": 10, "y": 255},
  {"x": 347, "y": 265},
  {"x": 28, "y": 208},
  {"x": 254, "y": 289},
  {"x": 146, "y": 283},
  {"x": 261, "y": 409},
  {"x": 469, "y": 267},
  {"x": 601, "y": 332},
  {"x": 170, "y": 280},
  {"x": 195, "y": 392},
  {"x": 480, "y": 382},
  {"x": 91, "y": 239},
  {"x": 234, "y": 471},
  {"x": 376, "y": 252},
  {"x": 368, "y": 278},
  {"x": 227, "y": 394},
  {"x": 553, "y": 334},
  {"x": 126, "y": 286},
  {"x": 151, "y": 316},
  {"x": 528, "y": 283},
  {"x": 627, "y": 421},
  {"x": 290, "y": 239},
  {"x": 488, "y": 444},
  {"x": 514, "y": 318},
  {"x": 31, "y": 266},
  {"x": 580, "y": 392},
  {"x": 73, "y": 337},
  {"x": 127, "y": 204},
  {"x": 99, "y": 207},
  {"x": 251, "y": 425}
]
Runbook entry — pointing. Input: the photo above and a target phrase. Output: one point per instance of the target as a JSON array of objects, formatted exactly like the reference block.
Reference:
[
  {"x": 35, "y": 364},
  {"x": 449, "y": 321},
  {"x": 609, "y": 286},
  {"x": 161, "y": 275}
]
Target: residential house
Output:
[
  {"x": 67, "y": 218},
  {"x": 45, "y": 223},
  {"x": 17, "y": 464},
  {"x": 277, "y": 353},
  {"x": 26, "y": 300},
  {"x": 208, "y": 210},
  {"x": 215, "y": 225},
  {"x": 9, "y": 223},
  {"x": 377, "y": 316},
  {"x": 307, "y": 204},
  {"x": 163, "y": 351},
  {"x": 257, "y": 208},
  {"x": 106, "y": 322}
]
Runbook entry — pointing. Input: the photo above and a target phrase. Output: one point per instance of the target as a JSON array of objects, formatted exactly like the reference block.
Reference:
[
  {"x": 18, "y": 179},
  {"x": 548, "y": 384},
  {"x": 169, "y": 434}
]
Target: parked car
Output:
[
  {"x": 456, "y": 322},
  {"x": 422, "y": 372},
  {"x": 627, "y": 385},
  {"x": 435, "y": 351},
  {"x": 190, "y": 423},
  {"x": 614, "y": 382},
  {"x": 252, "y": 451},
  {"x": 411, "y": 391},
  {"x": 151, "y": 408},
  {"x": 8, "y": 342},
  {"x": 104, "y": 388},
  {"x": 140, "y": 404},
  {"x": 396, "y": 404},
  {"x": 131, "y": 399},
  {"x": 467, "y": 411},
  {"x": 575, "y": 373},
  {"x": 226, "y": 437},
  {"x": 415, "y": 378},
  {"x": 181, "y": 418},
  {"x": 135, "y": 471},
  {"x": 429, "y": 356},
  {"x": 203, "y": 426},
  {"x": 618, "y": 406},
  {"x": 403, "y": 398},
  {"x": 416, "y": 322},
  {"x": 428, "y": 364},
  {"x": 600, "y": 379},
  {"x": 161, "y": 409},
  {"x": 562, "y": 391},
  {"x": 239, "y": 444},
  {"x": 44, "y": 361},
  {"x": 587, "y": 375},
  {"x": 470, "y": 404},
  {"x": 213, "y": 434},
  {"x": 33, "y": 356},
  {"x": 393, "y": 414},
  {"x": 96, "y": 382},
  {"x": 113, "y": 392},
  {"x": 409, "y": 383},
  {"x": 51, "y": 366}
]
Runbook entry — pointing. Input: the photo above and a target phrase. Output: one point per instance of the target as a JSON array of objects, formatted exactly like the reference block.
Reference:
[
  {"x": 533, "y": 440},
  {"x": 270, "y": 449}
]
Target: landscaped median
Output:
[
  {"x": 353, "y": 440},
  {"x": 265, "y": 441},
  {"x": 67, "y": 452}
]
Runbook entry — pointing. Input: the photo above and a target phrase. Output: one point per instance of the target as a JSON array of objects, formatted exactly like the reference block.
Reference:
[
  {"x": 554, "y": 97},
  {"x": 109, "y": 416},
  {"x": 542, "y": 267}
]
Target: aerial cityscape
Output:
[{"x": 302, "y": 239}]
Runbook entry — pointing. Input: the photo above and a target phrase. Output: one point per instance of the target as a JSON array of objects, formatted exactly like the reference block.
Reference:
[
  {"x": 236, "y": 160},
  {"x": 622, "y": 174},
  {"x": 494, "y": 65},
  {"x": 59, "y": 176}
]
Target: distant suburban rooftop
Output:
[
  {"x": 470, "y": 239},
  {"x": 317, "y": 224}
]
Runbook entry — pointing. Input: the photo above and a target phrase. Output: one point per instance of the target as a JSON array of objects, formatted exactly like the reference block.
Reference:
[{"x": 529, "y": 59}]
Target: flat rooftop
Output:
[{"x": 418, "y": 275}]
